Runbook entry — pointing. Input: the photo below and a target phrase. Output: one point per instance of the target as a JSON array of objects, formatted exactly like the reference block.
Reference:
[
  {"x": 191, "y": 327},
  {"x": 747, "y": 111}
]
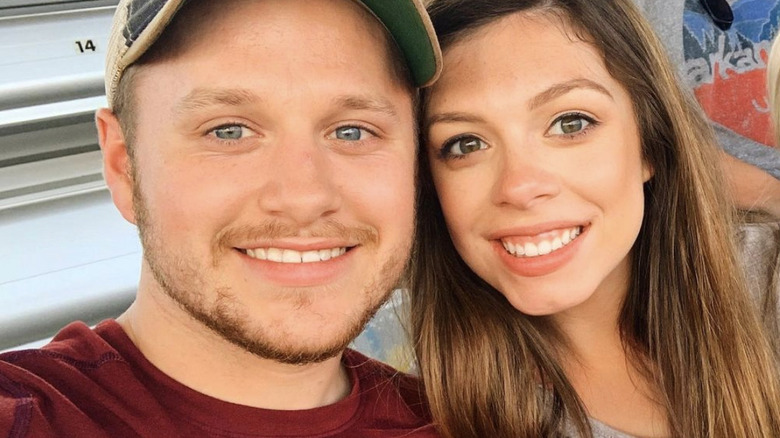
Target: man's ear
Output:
[{"x": 116, "y": 162}]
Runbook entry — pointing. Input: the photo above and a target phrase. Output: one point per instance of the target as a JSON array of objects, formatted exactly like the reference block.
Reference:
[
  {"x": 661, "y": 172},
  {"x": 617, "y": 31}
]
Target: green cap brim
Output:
[{"x": 408, "y": 23}]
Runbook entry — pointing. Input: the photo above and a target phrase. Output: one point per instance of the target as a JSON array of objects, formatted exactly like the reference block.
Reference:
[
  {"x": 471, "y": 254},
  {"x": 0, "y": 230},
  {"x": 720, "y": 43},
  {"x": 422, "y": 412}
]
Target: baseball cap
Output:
[{"x": 138, "y": 23}]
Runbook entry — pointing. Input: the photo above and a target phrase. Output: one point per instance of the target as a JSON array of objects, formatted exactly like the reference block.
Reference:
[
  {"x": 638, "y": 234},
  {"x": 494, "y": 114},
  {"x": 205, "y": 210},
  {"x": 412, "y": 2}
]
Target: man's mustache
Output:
[{"x": 275, "y": 229}]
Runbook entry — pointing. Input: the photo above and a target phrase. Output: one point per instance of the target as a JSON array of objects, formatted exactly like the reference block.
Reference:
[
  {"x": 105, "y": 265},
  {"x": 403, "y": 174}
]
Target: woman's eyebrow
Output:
[
  {"x": 552, "y": 92},
  {"x": 561, "y": 88},
  {"x": 451, "y": 117}
]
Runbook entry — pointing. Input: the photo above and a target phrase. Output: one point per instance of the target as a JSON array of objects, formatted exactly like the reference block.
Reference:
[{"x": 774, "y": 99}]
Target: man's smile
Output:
[{"x": 281, "y": 255}]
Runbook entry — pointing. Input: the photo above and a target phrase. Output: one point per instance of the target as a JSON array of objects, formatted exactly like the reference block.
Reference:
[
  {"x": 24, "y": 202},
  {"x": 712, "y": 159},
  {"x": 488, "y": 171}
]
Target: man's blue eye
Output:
[
  {"x": 349, "y": 133},
  {"x": 229, "y": 132}
]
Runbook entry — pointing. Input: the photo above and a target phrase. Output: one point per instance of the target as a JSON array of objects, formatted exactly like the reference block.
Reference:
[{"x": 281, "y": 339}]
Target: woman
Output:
[{"x": 575, "y": 272}]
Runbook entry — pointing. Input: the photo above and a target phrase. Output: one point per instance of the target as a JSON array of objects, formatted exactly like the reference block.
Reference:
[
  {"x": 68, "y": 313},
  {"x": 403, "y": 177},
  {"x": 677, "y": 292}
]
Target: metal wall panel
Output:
[
  {"x": 65, "y": 252},
  {"x": 25, "y": 7}
]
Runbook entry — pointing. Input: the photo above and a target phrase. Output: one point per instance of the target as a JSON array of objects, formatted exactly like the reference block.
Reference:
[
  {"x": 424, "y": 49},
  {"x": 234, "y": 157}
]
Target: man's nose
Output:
[{"x": 300, "y": 184}]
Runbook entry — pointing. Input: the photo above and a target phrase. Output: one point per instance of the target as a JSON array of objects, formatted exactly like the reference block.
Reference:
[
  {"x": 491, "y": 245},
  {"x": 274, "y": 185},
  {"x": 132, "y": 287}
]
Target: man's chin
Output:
[
  {"x": 301, "y": 342},
  {"x": 302, "y": 356},
  {"x": 288, "y": 351},
  {"x": 294, "y": 342}
]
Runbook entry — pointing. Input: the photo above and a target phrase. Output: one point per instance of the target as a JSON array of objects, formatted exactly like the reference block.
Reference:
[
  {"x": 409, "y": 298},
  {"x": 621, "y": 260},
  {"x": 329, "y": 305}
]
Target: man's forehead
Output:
[
  {"x": 266, "y": 25},
  {"x": 140, "y": 13},
  {"x": 230, "y": 63}
]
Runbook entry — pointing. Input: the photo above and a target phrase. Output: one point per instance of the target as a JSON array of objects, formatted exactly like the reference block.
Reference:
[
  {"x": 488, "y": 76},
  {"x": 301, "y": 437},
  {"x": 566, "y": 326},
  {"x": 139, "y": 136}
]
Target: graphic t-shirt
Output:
[{"x": 726, "y": 69}]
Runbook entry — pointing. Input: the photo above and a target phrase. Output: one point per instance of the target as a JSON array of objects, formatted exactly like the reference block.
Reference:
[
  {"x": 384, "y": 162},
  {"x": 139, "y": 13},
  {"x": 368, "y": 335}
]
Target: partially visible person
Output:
[
  {"x": 721, "y": 50},
  {"x": 575, "y": 272},
  {"x": 723, "y": 61},
  {"x": 761, "y": 235},
  {"x": 266, "y": 151},
  {"x": 773, "y": 86}
]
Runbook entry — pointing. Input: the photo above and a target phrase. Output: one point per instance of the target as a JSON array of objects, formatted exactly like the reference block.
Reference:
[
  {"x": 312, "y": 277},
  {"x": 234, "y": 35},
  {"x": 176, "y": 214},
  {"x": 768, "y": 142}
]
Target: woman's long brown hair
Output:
[{"x": 687, "y": 322}]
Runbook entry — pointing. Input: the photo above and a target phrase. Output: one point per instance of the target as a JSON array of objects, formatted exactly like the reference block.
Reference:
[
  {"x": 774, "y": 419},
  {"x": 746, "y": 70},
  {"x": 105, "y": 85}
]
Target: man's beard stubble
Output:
[{"x": 182, "y": 280}]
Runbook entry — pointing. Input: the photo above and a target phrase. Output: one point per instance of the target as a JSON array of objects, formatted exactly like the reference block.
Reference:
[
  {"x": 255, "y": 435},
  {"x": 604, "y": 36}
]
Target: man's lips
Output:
[{"x": 303, "y": 265}]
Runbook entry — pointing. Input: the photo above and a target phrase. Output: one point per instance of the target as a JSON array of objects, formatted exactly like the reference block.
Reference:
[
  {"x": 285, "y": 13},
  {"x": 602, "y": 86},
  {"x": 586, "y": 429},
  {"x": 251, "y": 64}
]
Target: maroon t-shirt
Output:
[{"x": 96, "y": 383}]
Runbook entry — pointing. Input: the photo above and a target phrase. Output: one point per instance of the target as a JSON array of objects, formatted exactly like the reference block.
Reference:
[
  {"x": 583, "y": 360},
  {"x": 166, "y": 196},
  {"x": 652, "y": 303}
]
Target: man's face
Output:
[{"x": 274, "y": 175}]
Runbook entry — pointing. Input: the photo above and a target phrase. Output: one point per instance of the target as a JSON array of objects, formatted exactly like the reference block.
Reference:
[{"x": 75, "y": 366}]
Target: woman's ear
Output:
[
  {"x": 647, "y": 171},
  {"x": 116, "y": 162}
]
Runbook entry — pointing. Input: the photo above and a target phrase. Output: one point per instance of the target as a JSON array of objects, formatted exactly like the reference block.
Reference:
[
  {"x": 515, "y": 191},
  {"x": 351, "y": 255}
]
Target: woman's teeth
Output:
[{"x": 546, "y": 246}]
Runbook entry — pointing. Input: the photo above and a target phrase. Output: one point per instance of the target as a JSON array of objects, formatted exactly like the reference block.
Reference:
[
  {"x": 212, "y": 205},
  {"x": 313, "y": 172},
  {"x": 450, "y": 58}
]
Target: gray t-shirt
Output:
[
  {"x": 600, "y": 430},
  {"x": 725, "y": 69}
]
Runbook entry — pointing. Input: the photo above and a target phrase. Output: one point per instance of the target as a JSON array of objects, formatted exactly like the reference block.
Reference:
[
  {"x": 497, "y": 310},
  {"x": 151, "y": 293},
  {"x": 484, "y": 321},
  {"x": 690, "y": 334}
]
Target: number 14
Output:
[{"x": 84, "y": 46}]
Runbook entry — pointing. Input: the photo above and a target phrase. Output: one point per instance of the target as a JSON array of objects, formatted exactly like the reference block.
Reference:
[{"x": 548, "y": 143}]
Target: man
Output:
[{"x": 266, "y": 151}]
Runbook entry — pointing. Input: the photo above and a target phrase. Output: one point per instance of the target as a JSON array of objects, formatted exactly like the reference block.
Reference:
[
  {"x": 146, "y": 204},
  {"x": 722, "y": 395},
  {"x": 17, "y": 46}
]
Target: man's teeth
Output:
[
  {"x": 279, "y": 255},
  {"x": 543, "y": 247}
]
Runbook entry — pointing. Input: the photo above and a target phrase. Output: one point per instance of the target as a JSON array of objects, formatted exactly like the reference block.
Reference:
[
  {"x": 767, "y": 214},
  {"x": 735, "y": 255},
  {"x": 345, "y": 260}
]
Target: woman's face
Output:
[{"x": 535, "y": 154}]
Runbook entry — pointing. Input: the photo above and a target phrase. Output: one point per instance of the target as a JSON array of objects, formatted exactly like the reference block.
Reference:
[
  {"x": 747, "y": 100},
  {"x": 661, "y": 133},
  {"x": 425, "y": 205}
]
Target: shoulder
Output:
[
  {"x": 75, "y": 349},
  {"x": 758, "y": 237},
  {"x": 389, "y": 396},
  {"x": 374, "y": 373},
  {"x": 60, "y": 387}
]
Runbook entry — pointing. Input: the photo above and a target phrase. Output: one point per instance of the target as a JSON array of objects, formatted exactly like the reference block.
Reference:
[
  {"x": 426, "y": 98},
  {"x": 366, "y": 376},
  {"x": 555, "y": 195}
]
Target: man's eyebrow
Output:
[
  {"x": 370, "y": 103},
  {"x": 206, "y": 97},
  {"x": 562, "y": 88}
]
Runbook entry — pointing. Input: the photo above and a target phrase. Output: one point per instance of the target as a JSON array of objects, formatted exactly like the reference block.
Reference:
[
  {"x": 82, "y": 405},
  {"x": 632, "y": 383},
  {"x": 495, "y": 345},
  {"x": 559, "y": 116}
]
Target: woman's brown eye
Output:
[
  {"x": 571, "y": 124},
  {"x": 463, "y": 146},
  {"x": 470, "y": 145}
]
